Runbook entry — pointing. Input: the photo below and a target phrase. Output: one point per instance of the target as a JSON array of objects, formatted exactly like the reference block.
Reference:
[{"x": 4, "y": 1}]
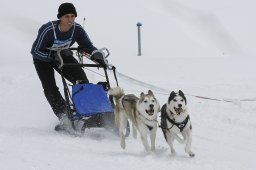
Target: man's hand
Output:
[{"x": 99, "y": 57}]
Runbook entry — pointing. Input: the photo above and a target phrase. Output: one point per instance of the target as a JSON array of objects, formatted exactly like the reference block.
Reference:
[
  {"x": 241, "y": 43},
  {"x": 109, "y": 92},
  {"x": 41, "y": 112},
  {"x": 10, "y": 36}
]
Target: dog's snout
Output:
[
  {"x": 151, "y": 105},
  {"x": 179, "y": 105}
]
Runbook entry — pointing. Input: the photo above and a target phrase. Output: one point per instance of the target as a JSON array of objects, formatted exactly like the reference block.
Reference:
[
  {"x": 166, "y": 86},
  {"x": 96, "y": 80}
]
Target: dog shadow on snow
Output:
[
  {"x": 159, "y": 153},
  {"x": 162, "y": 152}
]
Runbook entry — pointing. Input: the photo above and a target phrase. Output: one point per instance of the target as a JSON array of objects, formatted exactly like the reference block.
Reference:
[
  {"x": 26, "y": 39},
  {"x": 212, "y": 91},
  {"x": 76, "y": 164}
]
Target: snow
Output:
[{"x": 204, "y": 48}]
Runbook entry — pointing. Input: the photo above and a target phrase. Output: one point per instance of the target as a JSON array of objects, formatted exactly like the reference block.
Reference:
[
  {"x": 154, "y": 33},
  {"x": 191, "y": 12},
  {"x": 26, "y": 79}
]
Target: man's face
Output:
[{"x": 67, "y": 20}]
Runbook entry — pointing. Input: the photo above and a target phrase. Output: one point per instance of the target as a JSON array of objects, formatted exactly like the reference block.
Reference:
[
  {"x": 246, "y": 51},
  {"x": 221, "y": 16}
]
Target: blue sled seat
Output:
[{"x": 89, "y": 100}]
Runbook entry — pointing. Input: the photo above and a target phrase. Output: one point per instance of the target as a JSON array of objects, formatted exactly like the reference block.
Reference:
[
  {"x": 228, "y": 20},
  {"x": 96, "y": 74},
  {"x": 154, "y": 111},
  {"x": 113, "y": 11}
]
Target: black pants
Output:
[{"x": 45, "y": 71}]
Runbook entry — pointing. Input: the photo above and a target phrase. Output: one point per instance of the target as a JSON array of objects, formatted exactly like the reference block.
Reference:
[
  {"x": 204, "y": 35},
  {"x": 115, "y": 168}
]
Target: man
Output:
[{"x": 59, "y": 34}]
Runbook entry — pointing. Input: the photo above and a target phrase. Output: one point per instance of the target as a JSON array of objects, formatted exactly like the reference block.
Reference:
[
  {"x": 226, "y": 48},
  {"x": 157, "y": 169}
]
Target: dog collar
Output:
[{"x": 150, "y": 120}]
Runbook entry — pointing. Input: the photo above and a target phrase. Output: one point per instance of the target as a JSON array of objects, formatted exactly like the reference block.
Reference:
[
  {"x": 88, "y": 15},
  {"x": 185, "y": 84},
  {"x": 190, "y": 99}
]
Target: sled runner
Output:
[{"x": 89, "y": 104}]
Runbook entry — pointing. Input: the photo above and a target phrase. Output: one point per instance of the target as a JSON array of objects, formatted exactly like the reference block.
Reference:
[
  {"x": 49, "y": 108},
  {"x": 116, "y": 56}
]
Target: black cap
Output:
[{"x": 66, "y": 8}]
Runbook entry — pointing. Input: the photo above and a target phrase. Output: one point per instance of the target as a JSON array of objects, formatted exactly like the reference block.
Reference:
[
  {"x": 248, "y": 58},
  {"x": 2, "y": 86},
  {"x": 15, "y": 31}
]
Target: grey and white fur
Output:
[{"x": 141, "y": 111}]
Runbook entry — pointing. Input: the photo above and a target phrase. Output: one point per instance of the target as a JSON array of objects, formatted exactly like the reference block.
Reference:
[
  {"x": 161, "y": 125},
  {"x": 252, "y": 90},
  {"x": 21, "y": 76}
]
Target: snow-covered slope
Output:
[{"x": 203, "y": 48}]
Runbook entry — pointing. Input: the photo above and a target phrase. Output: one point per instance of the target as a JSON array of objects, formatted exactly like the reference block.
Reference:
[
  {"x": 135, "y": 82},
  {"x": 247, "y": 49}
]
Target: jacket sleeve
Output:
[
  {"x": 83, "y": 40},
  {"x": 39, "y": 49}
]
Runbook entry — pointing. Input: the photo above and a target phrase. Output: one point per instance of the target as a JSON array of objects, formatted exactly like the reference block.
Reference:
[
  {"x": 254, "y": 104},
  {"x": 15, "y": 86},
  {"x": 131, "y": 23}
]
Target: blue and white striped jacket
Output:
[{"x": 45, "y": 39}]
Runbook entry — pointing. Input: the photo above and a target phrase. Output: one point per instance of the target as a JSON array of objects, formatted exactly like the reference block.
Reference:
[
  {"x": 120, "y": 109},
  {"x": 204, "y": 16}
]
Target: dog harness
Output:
[
  {"x": 146, "y": 121},
  {"x": 180, "y": 125},
  {"x": 149, "y": 127}
]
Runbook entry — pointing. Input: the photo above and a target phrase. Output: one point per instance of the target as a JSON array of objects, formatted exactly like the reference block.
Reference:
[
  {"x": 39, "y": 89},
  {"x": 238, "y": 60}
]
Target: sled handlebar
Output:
[
  {"x": 61, "y": 63},
  {"x": 105, "y": 49},
  {"x": 101, "y": 49}
]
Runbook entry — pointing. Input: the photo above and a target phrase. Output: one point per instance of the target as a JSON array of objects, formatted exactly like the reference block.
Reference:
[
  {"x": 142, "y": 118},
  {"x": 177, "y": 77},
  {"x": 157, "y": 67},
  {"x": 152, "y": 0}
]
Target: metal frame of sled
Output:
[{"x": 100, "y": 119}]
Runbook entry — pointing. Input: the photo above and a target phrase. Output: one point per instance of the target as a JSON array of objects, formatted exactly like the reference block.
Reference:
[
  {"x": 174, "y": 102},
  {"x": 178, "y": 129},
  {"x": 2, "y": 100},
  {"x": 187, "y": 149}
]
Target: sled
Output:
[{"x": 90, "y": 103}]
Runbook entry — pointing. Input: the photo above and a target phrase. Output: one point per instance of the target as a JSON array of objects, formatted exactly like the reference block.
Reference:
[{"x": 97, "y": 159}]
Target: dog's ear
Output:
[
  {"x": 142, "y": 96},
  {"x": 183, "y": 96},
  {"x": 181, "y": 93},
  {"x": 172, "y": 95},
  {"x": 150, "y": 93}
]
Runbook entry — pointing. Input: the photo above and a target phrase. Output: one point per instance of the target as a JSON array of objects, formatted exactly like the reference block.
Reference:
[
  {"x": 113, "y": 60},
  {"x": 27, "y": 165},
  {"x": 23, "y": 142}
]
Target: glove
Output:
[
  {"x": 54, "y": 57},
  {"x": 66, "y": 52},
  {"x": 99, "y": 57}
]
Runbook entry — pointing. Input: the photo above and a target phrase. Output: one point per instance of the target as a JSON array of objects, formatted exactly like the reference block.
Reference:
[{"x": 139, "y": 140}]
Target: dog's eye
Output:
[
  {"x": 175, "y": 100},
  {"x": 182, "y": 100},
  {"x": 145, "y": 101},
  {"x": 153, "y": 101}
]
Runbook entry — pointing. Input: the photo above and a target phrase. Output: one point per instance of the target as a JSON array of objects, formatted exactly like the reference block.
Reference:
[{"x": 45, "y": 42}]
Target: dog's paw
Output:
[
  {"x": 122, "y": 144},
  {"x": 148, "y": 151},
  {"x": 134, "y": 134},
  {"x": 153, "y": 148},
  {"x": 173, "y": 152},
  {"x": 191, "y": 154}
]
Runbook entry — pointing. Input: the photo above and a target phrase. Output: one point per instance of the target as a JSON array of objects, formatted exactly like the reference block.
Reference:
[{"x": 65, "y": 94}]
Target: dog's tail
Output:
[{"x": 117, "y": 93}]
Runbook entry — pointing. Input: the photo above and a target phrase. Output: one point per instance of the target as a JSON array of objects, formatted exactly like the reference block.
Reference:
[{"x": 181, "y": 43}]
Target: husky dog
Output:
[
  {"x": 142, "y": 112},
  {"x": 175, "y": 120}
]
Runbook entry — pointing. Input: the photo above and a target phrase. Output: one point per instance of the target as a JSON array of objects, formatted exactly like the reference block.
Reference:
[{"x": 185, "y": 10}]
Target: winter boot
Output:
[{"x": 65, "y": 125}]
